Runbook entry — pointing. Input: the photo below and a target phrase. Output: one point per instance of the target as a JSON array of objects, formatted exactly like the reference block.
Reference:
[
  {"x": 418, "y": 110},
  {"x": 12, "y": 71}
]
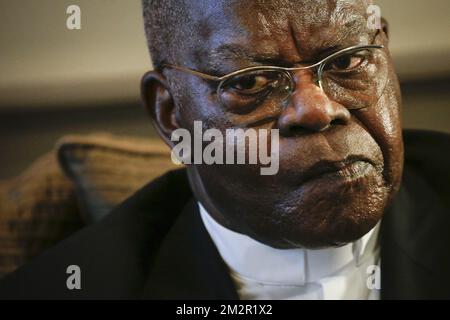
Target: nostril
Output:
[
  {"x": 338, "y": 121},
  {"x": 295, "y": 130}
]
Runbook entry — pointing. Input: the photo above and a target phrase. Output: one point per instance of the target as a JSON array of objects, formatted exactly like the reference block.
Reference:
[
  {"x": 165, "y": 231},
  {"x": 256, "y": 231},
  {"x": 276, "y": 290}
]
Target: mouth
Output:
[{"x": 350, "y": 169}]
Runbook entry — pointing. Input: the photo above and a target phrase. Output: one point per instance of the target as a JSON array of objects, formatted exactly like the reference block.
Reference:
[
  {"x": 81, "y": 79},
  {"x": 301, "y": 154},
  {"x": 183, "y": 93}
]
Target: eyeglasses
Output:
[{"x": 354, "y": 77}]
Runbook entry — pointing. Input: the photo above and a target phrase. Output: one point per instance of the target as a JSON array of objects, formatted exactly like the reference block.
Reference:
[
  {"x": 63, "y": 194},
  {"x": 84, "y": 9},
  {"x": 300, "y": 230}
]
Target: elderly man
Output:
[{"x": 344, "y": 217}]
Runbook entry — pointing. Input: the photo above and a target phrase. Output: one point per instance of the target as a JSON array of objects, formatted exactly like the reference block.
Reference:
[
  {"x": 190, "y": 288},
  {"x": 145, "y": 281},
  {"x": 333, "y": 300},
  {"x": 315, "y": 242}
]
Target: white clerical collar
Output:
[{"x": 255, "y": 261}]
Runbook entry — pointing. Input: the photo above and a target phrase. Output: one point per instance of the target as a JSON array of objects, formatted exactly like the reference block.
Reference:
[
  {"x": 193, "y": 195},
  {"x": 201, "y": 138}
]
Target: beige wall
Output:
[
  {"x": 420, "y": 37},
  {"x": 43, "y": 63}
]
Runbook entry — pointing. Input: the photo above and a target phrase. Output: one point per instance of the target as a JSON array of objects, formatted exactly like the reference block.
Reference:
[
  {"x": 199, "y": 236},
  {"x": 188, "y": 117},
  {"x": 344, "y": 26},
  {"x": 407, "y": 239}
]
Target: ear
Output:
[
  {"x": 159, "y": 103},
  {"x": 385, "y": 27}
]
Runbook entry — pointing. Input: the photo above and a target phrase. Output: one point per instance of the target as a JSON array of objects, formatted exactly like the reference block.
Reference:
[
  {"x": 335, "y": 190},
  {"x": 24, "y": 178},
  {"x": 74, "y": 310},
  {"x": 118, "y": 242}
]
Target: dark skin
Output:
[{"x": 303, "y": 205}]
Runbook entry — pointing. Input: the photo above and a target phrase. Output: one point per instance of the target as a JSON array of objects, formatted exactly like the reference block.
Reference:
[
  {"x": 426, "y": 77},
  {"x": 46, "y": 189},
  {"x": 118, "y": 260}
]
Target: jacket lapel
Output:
[{"x": 188, "y": 265}]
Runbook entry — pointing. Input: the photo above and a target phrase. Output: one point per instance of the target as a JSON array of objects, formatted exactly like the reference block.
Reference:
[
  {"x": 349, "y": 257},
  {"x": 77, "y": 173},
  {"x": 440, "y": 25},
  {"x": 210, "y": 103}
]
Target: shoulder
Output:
[
  {"x": 427, "y": 149},
  {"x": 427, "y": 158},
  {"x": 414, "y": 233},
  {"x": 419, "y": 218},
  {"x": 112, "y": 255}
]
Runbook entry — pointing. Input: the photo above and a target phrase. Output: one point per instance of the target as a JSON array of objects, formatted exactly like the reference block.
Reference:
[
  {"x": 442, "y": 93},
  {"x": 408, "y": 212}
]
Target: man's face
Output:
[{"x": 338, "y": 168}]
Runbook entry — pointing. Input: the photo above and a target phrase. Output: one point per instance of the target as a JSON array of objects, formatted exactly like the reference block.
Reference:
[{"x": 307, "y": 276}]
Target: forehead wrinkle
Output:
[
  {"x": 348, "y": 18},
  {"x": 347, "y": 30},
  {"x": 337, "y": 23},
  {"x": 342, "y": 15}
]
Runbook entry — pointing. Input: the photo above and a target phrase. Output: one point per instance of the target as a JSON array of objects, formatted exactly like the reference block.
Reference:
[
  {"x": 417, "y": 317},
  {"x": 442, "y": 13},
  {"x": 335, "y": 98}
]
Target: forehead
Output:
[{"x": 294, "y": 29}]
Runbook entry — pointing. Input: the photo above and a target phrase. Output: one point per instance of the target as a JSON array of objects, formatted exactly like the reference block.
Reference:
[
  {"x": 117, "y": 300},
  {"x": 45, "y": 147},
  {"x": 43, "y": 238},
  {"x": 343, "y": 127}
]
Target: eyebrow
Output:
[
  {"x": 237, "y": 51},
  {"x": 215, "y": 63}
]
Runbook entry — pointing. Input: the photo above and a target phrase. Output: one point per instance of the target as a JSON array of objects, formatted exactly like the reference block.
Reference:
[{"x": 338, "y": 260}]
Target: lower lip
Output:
[{"x": 351, "y": 172}]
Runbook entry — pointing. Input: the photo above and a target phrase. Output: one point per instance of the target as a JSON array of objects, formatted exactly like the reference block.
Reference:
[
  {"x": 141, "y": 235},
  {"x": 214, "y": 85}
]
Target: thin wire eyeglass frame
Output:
[{"x": 320, "y": 65}]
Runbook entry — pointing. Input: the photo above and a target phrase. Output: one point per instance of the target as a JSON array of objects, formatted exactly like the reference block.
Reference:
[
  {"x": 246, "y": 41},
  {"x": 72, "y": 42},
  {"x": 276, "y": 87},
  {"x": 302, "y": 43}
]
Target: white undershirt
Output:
[{"x": 262, "y": 272}]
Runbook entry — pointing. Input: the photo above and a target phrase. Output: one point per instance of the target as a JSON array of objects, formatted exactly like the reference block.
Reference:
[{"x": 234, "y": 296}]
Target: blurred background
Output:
[{"x": 55, "y": 81}]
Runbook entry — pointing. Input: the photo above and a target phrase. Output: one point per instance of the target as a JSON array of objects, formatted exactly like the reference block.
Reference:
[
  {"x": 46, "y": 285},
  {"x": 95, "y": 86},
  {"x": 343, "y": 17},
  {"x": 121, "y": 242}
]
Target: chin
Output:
[{"x": 327, "y": 213}]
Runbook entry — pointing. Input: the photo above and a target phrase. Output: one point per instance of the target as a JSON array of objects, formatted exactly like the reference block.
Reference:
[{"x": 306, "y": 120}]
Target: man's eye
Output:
[
  {"x": 250, "y": 84},
  {"x": 346, "y": 63},
  {"x": 249, "y": 90}
]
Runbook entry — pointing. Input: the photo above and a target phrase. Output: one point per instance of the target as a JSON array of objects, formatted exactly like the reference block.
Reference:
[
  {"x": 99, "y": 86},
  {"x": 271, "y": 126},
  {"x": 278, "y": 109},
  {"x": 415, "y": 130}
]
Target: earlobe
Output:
[{"x": 159, "y": 103}]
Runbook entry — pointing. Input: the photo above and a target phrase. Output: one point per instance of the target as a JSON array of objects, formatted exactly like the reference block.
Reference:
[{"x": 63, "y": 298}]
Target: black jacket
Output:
[{"x": 154, "y": 245}]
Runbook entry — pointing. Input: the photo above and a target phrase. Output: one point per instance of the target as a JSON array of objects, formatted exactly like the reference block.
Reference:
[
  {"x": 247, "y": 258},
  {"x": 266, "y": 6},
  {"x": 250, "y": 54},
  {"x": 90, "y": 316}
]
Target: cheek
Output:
[
  {"x": 383, "y": 122},
  {"x": 236, "y": 192},
  {"x": 198, "y": 102},
  {"x": 225, "y": 184}
]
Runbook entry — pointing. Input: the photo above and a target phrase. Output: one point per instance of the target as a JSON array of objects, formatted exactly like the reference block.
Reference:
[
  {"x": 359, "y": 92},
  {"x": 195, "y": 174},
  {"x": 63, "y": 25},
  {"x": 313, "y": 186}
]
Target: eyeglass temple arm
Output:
[{"x": 196, "y": 73}]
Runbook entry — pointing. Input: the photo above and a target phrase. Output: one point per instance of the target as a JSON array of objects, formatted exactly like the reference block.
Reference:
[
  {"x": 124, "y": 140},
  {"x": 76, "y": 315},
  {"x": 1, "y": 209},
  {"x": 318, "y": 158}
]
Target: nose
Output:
[{"x": 310, "y": 108}]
